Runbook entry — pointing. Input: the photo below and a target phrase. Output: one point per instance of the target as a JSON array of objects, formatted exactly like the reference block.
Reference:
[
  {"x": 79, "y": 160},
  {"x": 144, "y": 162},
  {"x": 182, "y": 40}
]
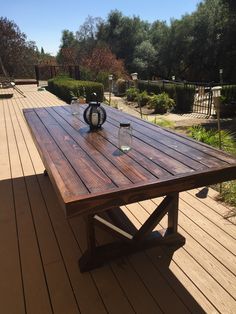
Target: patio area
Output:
[{"x": 40, "y": 248}]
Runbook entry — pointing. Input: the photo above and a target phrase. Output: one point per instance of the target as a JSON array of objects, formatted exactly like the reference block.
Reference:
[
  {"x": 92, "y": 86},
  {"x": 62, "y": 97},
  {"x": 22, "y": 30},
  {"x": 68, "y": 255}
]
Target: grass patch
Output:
[
  {"x": 211, "y": 137},
  {"x": 163, "y": 122}
]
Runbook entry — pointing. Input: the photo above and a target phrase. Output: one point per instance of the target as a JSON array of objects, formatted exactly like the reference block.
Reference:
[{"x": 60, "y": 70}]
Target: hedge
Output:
[
  {"x": 63, "y": 86},
  {"x": 183, "y": 95},
  {"x": 229, "y": 92}
]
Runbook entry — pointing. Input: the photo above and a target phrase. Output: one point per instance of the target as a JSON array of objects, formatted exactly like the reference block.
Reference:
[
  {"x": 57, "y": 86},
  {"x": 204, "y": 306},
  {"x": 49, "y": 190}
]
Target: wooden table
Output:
[{"x": 92, "y": 176}]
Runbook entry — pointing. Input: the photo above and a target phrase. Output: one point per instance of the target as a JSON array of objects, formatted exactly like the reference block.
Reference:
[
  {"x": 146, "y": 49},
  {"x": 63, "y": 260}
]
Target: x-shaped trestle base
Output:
[{"x": 143, "y": 238}]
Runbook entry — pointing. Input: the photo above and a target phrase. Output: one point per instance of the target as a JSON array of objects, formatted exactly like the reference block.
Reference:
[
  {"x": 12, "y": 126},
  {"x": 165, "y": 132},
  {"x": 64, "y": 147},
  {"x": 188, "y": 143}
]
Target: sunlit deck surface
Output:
[{"x": 40, "y": 248}]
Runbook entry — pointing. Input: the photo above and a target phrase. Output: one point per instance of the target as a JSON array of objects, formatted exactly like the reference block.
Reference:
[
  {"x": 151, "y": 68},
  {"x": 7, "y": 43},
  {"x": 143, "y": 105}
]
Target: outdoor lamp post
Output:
[
  {"x": 135, "y": 79},
  {"x": 216, "y": 93},
  {"x": 221, "y": 75},
  {"x": 173, "y": 79},
  {"x": 110, "y": 78}
]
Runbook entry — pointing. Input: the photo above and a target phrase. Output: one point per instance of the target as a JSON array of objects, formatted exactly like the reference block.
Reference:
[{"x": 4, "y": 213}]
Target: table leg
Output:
[
  {"x": 91, "y": 242},
  {"x": 141, "y": 239},
  {"x": 173, "y": 214}
]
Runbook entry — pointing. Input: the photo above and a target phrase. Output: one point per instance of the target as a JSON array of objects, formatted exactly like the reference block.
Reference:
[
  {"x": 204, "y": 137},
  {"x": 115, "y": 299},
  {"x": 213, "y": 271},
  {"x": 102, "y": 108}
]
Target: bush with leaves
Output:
[
  {"x": 161, "y": 103},
  {"x": 211, "y": 137},
  {"x": 132, "y": 93},
  {"x": 228, "y": 144},
  {"x": 143, "y": 98},
  {"x": 65, "y": 87}
]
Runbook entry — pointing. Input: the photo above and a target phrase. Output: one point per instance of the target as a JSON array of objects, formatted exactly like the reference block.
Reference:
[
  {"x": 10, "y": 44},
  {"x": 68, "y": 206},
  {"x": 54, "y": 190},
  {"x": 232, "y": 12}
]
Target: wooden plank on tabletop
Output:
[
  {"x": 144, "y": 142},
  {"x": 182, "y": 139},
  {"x": 92, "y": 176},
  {"x": 103, "y": 161},
  {"x": 163, "y": 162},
  {"x": 167, "y": 162},
  {"x": 124, "y": 162},
  {"x": 66, "y": 181}
]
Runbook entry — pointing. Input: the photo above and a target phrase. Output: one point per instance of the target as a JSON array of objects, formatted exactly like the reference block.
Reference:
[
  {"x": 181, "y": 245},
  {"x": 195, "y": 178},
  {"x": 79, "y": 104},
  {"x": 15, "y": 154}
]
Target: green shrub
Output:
[
  {"x": 182, "y": 94},
  {"x": 143, "y": 98},
  {"x": 151, "y": 87},
  {"x": 65, "y": 87},
  {"x": 211, "y": 137},
  {"x": 161, "y": 103},
  {"x": 132, "y": 93},
  {"x": 228, "y": 195},
  {"x": 229, "y": 93}
]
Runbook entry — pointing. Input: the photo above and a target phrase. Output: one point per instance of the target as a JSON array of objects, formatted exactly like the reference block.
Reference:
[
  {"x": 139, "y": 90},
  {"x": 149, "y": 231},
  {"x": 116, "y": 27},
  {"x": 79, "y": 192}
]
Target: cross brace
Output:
[{"x": 142, "y": 239}]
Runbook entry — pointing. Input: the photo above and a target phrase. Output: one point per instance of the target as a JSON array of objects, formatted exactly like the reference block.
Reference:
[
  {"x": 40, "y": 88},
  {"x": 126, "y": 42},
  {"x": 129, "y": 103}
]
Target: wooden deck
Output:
[{"x": 40, "y": 249}]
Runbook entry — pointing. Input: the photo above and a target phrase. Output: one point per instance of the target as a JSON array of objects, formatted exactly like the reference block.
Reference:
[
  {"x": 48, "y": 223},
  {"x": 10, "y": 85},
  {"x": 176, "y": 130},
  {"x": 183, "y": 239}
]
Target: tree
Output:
[
  {"x": 17, "y": 54},
  {"x": 68, "y": 49},
  {"x": 103, "y": 60},
  {"x": 144, "y": 59},
  {"x": 68, "y": 39},
  {"x": 122, "y": 34},
  {"x": 88, "y": 30}
]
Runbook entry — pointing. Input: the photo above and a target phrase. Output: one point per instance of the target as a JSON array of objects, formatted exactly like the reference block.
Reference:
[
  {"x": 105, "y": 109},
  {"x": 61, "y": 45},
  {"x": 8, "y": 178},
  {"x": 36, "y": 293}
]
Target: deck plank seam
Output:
[
  {"x": 223, "y": 230},
  {"x": 46, "y": 207},
  {"x": 200, "y": 243},
  {"x": 212, "y": 198},
  {"x": 15, "y": 216},
  {"x": 159, "y": 272},
  {"x": 207, "y": 231},
  {"x": 31, "y": 214},
  {"x": 182, "y": 268}
]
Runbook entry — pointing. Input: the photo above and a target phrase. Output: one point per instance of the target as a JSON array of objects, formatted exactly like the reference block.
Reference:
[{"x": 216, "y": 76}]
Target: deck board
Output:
[{"x": 40, "y": 248}]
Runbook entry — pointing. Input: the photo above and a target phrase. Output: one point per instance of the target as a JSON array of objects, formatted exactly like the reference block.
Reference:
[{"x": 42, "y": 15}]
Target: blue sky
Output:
[{"x": 43, "y": 21}]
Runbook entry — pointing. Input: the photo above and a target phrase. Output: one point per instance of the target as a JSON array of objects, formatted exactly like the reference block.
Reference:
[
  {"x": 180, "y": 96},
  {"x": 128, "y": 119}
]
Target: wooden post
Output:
[
  {"x": 216, "y": 97},
  {"x": 90, "y": 234},
  {"x": 173, "y": 214}
]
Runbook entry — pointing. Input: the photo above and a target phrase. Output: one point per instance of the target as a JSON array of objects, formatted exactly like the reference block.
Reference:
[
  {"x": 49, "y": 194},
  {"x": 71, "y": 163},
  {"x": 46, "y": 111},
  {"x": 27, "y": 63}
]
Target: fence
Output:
[
  {"x": 193, "y": 97},
  {"x": 45, "y": 72}
]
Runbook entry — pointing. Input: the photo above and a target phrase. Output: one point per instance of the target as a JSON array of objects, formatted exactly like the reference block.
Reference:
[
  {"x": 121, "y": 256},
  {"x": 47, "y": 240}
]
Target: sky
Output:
[{"x": 43, "y": 21}]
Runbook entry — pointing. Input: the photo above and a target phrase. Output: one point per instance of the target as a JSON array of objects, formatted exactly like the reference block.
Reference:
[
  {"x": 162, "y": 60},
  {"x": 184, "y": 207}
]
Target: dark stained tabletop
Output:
[{"x": 90, "y": 173}]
